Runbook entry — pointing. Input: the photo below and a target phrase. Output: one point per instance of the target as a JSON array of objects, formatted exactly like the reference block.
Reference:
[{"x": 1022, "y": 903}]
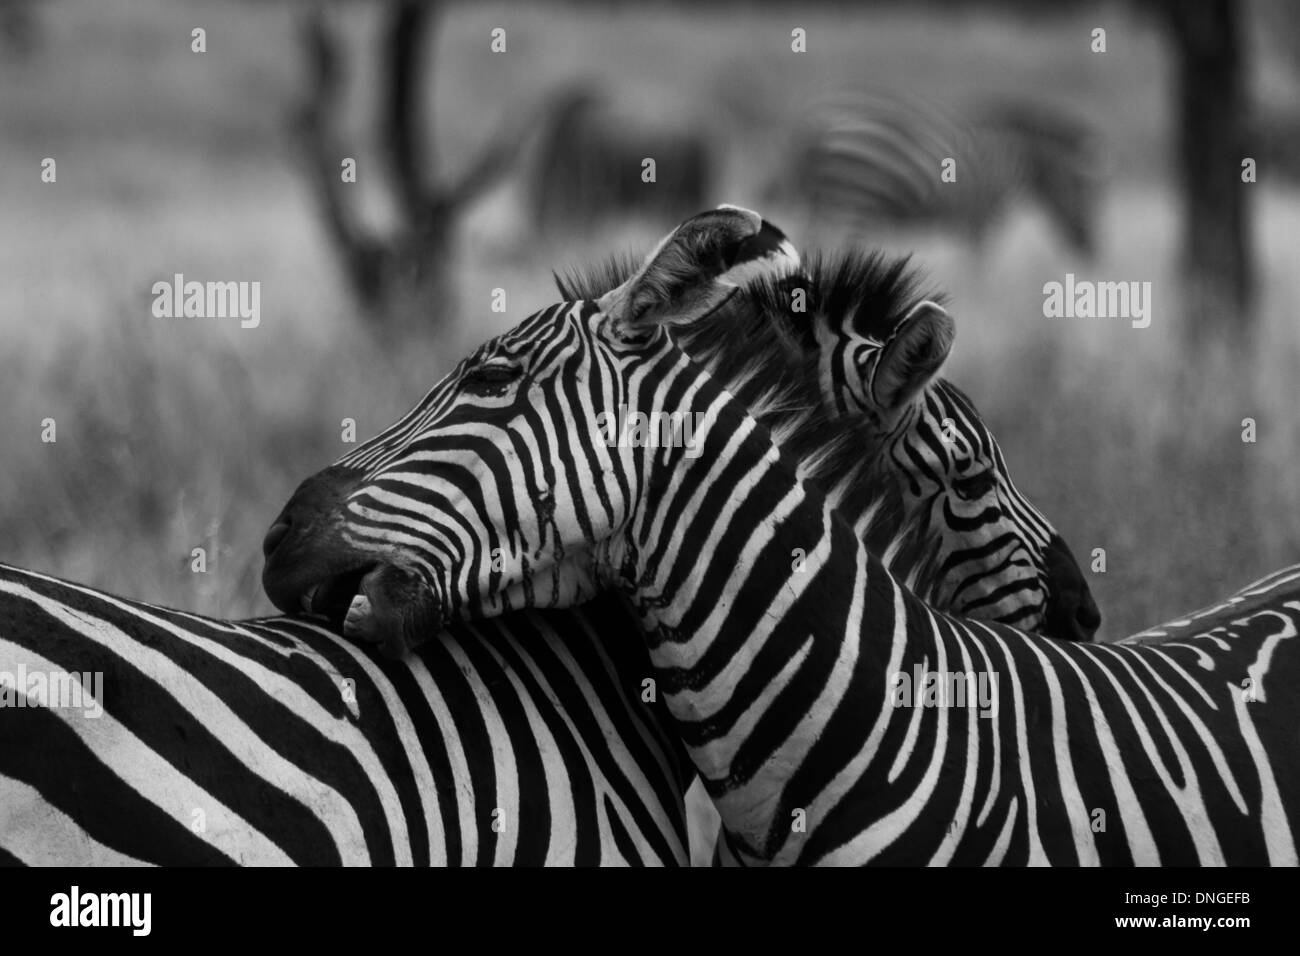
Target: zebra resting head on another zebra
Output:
[
  {"x": 789, "y": 687},
  {"x": 941, "y": 510},
  {"x": 916, "y": 466}
]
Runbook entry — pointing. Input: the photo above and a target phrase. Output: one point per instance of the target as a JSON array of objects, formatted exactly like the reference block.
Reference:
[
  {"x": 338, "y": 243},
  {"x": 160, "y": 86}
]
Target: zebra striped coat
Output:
[
  {"x": 792, "y": 689},
  {"x": 1271, "y": 601},
  {"x": 924, "y": 479},
  {"x": 275, "y": 741},
  {"x": 641, "y": 822}
]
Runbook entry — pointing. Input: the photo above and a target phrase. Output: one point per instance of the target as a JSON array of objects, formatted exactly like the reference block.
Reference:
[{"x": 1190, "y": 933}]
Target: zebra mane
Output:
[
  {"x": 868, "y": 293},
  {"x": 775, "y": 375},
  {"x": 588, "y": 283},
  {"x": 869, "y": 289}
]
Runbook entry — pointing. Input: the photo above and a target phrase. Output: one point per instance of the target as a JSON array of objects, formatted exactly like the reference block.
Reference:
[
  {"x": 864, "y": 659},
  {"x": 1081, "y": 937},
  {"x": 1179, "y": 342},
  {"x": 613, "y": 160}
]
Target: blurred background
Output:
[{"x": 481, "y": 170}]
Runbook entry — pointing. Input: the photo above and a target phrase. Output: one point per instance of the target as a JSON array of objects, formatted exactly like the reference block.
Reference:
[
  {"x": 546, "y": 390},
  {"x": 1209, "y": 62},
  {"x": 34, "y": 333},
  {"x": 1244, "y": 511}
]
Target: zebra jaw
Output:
[
  {"x": 379, "y": 604},
  {"x": 330, "y": 597},
  {"x": 359, "y": 620},
  {"x": 392, "y": 607},
  {"x": 354, "y": 621}
]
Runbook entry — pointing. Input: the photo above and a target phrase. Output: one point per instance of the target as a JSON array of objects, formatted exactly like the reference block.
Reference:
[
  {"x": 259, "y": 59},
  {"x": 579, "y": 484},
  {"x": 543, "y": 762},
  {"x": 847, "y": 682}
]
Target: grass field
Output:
[{"x": 173, "y": 435}]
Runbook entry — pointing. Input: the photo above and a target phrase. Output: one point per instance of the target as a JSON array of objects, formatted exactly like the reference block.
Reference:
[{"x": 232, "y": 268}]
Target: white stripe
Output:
[
  {"x": 1278, "y": 840},
  {"x": 503, "y": 760},
  {"x": 40, "y": 834},
  {"x": 144, "y": 771},
  {"x": 192, "y": 696}
]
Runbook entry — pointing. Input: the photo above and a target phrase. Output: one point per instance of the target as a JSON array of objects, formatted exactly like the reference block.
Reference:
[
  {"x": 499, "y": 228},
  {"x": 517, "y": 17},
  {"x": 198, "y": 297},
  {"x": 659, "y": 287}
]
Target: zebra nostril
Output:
[{"x": 274, "y": 537}]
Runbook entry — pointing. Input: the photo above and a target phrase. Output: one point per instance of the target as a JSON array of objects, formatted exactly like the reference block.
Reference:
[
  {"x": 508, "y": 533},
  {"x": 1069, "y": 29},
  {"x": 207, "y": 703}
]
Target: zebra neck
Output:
[
  {"x": 829, "y": 711},
  {"x": 752, "y": 593},
  {"x": 904, "y": 543}
]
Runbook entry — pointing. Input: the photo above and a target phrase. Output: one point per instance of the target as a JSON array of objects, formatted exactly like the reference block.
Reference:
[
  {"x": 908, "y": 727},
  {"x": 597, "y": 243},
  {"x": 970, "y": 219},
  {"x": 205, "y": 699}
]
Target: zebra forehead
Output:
[
  {"x": 954, "y": 403},
  {"x": 526, "y": 334}
]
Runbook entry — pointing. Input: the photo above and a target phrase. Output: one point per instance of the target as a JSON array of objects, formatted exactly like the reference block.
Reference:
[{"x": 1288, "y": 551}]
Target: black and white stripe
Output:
[
  {"x": 873, "y": 159},
  {"x": 1272, "y": 600},
  {"x": 504, "y": 742},
  {"x": 782, "y": 683},
  {"x": 935, "y": 501},
  {"x": 594, "y": 836}
]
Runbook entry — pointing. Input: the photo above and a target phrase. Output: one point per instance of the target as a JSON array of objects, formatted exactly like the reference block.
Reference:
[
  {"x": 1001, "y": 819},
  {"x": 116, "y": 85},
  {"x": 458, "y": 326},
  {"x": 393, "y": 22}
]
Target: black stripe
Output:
[
  {"x": 181, "y": 738},
  {"x": 40, "y": 749},
  {"x": 7, "y": 859}
]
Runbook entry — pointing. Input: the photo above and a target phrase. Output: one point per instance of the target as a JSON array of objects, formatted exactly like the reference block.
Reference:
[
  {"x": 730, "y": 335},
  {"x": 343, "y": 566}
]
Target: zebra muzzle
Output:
[
  {"x": 333, "y": 597},
  {"x": 381, "y": 604}
]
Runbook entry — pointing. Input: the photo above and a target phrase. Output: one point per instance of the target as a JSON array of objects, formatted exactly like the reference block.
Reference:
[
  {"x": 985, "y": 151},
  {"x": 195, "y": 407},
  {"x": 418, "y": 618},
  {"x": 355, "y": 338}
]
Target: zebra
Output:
[
  {"x": 944, "y": 514},
  {"x": 275, "y": 741},
  {"x": 788, "y": 688},
  {"x": 866, "y": 158},
  {"x": 1272, "y": 598},
  {"x": 68, "y": 607}
]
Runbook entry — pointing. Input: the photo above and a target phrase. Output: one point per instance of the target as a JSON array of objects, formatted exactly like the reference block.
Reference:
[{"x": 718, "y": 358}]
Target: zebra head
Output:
[
  {"x": 475, "y": 503},
  {"x": 949, "y": 522},
  {"x": 956, "y": 530}
]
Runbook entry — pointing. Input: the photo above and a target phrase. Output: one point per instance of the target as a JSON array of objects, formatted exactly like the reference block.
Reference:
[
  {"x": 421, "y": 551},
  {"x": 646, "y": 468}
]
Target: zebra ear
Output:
[
  {"x": 696, "y": 268},
  {"x": 912, "y": 357}
]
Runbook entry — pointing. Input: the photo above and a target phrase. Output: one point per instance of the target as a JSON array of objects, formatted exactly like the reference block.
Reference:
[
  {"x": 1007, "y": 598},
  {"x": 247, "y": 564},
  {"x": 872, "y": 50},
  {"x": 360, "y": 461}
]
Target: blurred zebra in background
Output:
[
  {"x": 870, "y": 160},
  {"x": 588, "y": 166}
]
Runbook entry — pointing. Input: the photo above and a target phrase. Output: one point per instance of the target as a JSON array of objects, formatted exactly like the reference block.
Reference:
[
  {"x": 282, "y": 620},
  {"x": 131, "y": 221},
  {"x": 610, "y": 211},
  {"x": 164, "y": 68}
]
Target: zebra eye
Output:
[
  {"x": 976, "y": 486},
  {"x": 491, "y": 378}
]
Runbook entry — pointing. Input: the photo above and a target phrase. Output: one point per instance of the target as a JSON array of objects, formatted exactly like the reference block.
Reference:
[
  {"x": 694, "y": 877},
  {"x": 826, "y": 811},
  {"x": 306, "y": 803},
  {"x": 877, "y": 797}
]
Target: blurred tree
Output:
[
  {"x": 397, "y": 277},
  {"x": 19, "y": 28},
  {"x": 1212, "y": 105}
]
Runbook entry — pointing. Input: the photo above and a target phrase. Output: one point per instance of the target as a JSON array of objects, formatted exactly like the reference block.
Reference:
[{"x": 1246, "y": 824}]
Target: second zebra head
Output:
[{"x": 933, "y": 496}]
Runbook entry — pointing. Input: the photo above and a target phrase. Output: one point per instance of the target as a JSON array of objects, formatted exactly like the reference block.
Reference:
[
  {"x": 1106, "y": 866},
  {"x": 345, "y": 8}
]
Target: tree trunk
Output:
[
  {"x": 1212, "y": 105},
  {"x": 400, "y": 277}
]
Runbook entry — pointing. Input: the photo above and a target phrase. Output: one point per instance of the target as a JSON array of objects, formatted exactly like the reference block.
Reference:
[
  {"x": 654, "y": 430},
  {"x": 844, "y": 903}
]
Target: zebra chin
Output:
[
  {"x": 371, "y": 603},
  {"x": 313, "y": 568}
]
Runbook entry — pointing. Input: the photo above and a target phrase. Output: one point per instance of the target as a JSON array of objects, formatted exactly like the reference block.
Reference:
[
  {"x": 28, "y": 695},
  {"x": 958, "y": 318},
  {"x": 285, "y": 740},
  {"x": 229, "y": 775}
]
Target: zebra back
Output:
[
  {"x": 275, "y": 741},
  {"x": 1272, "y": 599}
]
